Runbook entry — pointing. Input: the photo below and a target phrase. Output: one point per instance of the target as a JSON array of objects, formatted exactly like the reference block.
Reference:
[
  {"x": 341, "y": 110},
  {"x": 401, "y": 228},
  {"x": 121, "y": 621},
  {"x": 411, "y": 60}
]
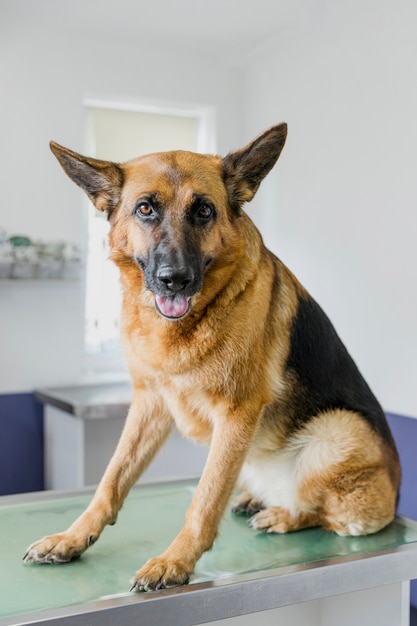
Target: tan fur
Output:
[
  {"x": 337, "y": 478},
  {"x": 220, "y": 374}
]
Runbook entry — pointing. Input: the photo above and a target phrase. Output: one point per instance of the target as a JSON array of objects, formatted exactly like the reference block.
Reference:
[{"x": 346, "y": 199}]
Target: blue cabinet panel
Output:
[
  {"x": 21, "y": 443},
  {"x": 404, "y": 430}
]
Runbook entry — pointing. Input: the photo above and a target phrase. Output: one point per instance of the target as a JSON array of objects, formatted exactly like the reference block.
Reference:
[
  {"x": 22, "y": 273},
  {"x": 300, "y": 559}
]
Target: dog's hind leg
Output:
[
  {"x": 147, "y": 426},
  {"x": 356, "y": 477},
  {"x": 362, "y": 503},
  {"x": 340, "y": 475},
  {"x": 353, "y": 502},
  {"x": 278, "y": 520}
]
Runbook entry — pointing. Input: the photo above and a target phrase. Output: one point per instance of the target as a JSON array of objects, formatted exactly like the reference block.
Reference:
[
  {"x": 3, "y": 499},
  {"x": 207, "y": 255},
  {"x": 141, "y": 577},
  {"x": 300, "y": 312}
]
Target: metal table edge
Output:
[
  {"x": 200, "y": 602},
  {"x": 95, "y": 410}
]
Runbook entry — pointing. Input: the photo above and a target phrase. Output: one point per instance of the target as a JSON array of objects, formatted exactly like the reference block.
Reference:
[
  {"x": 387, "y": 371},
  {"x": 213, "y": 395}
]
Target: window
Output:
[{"x": 119, "y": 133}]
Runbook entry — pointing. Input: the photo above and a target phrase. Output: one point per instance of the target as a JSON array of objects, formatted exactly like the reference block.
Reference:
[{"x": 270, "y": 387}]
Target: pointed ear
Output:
[
  {"x": 101, "y": 180},
  {"x": 245, "y": 169}
]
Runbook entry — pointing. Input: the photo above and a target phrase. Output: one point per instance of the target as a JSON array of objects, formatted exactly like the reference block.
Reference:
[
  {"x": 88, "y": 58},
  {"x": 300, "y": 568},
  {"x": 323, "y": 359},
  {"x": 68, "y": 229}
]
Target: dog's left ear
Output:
[
  {"x": 101, "y": 180},
  {"x": 245, "y": 169}
]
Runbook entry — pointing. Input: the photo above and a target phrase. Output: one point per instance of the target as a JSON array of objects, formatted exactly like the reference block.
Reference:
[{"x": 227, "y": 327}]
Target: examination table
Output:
[{"x": 310, "y": 577}]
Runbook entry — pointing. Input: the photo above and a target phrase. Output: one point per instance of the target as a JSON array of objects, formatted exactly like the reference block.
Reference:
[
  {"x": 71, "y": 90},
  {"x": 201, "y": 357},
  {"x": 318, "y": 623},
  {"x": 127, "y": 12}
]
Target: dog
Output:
[{"x": 223, "y": 340}]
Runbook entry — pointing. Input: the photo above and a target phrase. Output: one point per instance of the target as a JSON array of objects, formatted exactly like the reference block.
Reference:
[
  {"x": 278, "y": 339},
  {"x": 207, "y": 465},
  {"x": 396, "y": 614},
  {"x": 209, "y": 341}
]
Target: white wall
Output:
[
  {"x": 46, "y": 75},
  {"x": 340, "y": 208}
]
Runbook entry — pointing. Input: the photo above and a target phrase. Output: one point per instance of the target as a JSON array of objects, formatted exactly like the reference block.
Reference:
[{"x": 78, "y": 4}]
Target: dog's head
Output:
[{"x": 173, "y": 214}]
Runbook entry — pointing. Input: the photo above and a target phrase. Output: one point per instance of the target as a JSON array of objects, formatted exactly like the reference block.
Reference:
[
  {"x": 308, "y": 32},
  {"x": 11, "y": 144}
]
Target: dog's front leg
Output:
[
  {"x": 147, "y": 426},
  {"x": 230, "y": 441}
]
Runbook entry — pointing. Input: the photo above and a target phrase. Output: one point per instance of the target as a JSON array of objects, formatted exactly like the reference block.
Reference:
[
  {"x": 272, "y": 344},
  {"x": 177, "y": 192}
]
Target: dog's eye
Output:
[
  {"x": 205, "y": 211},
  {"x": 144, "y": 209}
]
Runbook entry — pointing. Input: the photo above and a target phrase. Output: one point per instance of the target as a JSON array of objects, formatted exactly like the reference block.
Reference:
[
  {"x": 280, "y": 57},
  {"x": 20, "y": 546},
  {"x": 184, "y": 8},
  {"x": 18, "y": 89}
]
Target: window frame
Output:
[{"x": 111, "y": 364}]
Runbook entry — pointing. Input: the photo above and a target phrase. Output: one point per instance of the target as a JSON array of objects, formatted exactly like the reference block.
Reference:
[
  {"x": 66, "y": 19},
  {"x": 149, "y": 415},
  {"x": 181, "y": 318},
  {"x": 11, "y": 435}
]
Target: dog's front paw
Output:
[
  {"x": 160, "y": 573},
  {"x": 56, "y": 549}
]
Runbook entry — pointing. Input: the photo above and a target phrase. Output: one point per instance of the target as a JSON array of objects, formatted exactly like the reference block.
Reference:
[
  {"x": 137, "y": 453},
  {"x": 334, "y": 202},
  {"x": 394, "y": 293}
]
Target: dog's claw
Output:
[
  {"x": 252, "y": 523},
  {"x": 137, "y": 587},
  {"x": 140, "y": 587},
  {"x": 160, "y": 573}
]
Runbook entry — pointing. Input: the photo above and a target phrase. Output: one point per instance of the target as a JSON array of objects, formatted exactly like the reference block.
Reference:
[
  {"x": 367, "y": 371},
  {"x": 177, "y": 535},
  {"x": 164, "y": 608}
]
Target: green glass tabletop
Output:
[{"x": 150, "y": 519}]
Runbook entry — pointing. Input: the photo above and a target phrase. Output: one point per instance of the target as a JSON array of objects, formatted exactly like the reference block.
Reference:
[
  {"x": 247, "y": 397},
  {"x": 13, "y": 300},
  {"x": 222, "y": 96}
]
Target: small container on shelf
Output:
[{"x": 24, "y": 259}]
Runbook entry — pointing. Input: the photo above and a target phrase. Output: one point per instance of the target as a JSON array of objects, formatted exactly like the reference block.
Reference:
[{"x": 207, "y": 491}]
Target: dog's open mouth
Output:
[{"x": 173, "y": 307}]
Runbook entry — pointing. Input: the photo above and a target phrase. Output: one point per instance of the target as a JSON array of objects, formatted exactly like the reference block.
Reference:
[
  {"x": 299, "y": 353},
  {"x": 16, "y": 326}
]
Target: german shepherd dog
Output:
[{"x": 222, "y": 339}]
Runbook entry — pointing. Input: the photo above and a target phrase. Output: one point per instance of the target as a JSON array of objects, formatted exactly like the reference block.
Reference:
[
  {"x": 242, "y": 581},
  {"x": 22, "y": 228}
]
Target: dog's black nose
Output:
[{"x": 175, "y": 278}]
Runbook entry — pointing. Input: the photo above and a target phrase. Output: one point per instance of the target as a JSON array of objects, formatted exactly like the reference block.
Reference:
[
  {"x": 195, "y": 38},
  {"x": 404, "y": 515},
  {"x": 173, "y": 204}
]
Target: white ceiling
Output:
[{"x": 232, "y": 27}]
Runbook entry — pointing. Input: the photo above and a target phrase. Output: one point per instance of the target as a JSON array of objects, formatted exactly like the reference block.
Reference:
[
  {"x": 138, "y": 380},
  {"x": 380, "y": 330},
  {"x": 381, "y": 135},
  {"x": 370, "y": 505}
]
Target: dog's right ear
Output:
[
  {"x": 245, "y": 169},
  {"x": 101, "y": 180}
]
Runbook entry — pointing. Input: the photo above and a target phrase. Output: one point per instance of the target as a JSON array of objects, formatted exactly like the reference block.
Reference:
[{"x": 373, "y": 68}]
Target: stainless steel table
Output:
[{"x": 310, "y": 577}]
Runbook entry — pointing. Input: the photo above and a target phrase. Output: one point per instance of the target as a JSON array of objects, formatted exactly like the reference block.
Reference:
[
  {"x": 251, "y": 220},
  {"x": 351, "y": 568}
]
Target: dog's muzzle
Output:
[
  {"x": 173, "y": 288},
  {"x": 173, "y": 283}
]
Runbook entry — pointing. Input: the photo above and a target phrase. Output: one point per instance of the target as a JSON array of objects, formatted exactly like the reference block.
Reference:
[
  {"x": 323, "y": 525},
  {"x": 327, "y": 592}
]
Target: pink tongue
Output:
[{"x": 172, "y": 306}]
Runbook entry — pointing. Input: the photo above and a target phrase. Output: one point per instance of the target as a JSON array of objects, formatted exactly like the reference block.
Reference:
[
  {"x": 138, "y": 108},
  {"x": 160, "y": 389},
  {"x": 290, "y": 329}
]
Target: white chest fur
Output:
[{"x": 273, "y": 478}]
